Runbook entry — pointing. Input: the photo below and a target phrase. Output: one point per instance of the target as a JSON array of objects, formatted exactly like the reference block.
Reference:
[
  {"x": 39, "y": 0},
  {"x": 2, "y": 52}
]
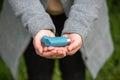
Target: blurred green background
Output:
[{"x": 110, "y": 71}]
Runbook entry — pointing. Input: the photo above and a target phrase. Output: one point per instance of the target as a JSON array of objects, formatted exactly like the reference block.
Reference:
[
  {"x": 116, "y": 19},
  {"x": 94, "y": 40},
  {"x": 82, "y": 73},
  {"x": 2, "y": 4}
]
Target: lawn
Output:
[{"x": 111, "y": 69}]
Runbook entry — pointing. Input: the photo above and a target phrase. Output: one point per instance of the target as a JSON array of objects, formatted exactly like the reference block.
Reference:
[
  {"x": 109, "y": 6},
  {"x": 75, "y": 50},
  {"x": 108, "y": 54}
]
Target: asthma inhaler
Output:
[{"x": 55, "y": 41}]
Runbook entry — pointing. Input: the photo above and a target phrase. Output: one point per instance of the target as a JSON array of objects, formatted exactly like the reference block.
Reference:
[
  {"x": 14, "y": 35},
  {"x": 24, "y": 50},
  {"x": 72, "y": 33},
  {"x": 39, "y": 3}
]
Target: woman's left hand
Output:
[{"x": 75, "y": 44}]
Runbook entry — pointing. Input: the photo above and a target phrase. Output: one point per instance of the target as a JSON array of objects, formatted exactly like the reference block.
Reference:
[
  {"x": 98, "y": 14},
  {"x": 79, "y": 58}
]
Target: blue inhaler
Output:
[{"x": 55, "y": 41}]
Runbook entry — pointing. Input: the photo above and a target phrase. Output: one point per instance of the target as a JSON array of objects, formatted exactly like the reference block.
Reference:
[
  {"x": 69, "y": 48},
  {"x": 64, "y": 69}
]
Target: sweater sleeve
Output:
[
  {"x": 82, "y": 15},
  {"x": 32, "y": 15}
]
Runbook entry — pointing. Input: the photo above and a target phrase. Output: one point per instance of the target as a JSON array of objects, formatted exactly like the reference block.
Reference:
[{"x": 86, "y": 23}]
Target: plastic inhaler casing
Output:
[{"x": 55, "y": 41}]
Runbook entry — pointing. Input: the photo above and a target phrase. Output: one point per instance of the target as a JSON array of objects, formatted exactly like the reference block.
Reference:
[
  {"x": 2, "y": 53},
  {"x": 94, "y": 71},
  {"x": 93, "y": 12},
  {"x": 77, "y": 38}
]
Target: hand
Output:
[
  {"x": 47, "y": 52},
  {"x": 75, "y": 44},
  {"x": 55, "y": 52}
]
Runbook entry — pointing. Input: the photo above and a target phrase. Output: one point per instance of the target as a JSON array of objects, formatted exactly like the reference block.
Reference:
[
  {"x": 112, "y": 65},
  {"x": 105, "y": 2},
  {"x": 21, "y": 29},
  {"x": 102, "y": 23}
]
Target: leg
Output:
[
  {"x": 72, "y": 67},
  {"x": 38, "y": 68}
]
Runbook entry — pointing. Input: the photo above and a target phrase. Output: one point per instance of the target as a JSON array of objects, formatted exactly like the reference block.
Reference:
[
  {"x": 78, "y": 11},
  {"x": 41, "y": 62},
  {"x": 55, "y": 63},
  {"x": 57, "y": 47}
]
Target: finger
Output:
[
  {"x": 38, "y": 52},
  {"x": 54, "y": 54},
  {"x": 62, "y": 49},
  {"x": 74, "y": 44},
  {"x": 61, "y": 52},
  {"x": 37, "y": 44},
  {"x": 50, "y": 48},
  {"x": 73, "y": 51},
  {"x": 49, "y": 53},
  {"x": 45, "y": 49}
]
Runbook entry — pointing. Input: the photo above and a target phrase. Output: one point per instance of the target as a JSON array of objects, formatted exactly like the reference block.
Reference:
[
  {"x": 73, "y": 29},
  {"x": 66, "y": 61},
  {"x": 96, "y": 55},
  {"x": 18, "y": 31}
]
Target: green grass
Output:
[{"x": 110, "y": 71}]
